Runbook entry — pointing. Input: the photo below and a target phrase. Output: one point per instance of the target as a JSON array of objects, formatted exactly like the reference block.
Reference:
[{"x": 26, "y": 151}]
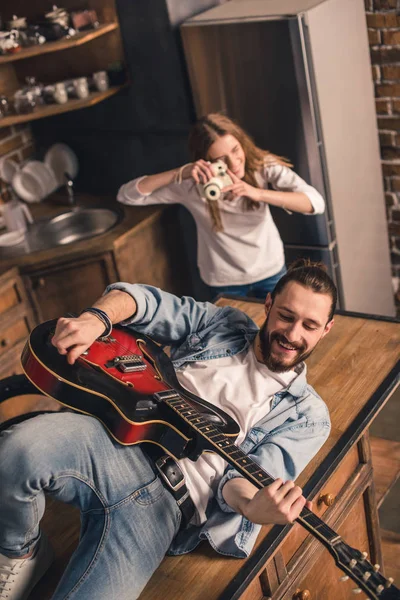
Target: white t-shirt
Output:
[
  {"x": 242, "y": 387},
  {"x": 249, "y": 248}
]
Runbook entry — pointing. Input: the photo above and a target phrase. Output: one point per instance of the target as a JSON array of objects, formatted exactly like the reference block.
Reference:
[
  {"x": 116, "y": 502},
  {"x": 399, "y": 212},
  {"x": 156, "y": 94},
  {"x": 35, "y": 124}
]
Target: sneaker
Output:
[{"x": 18, "y": 576}]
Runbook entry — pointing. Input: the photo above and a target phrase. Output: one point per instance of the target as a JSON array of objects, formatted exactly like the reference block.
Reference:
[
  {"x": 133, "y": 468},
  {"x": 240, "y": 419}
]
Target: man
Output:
[{"x": 130, "y": 516}]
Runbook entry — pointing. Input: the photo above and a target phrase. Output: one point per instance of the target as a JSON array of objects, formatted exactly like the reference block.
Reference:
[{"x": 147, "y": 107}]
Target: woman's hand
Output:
[
  {"x": 241, "y": 188},
  {"x": 200, "y": 171},
  {"x": 279, "y": 503},
  {"x": 73, "y": 336}
]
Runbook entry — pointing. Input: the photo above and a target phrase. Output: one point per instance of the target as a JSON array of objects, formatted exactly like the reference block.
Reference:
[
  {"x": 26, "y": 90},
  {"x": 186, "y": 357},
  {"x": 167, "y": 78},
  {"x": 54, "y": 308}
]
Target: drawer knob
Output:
[
  {"x": 327, "y": 499},
  {"x": 39, "y": 283},
  {"x": 302, "y": 595}
]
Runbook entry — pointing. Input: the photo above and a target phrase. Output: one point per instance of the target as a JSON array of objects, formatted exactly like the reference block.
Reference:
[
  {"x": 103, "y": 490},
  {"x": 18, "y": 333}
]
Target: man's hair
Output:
[{"x": 312, "y": 275}]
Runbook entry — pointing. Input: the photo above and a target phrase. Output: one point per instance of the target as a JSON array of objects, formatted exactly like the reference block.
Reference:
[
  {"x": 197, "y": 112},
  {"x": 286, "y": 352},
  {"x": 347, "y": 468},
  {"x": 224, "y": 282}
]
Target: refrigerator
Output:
[{"x": 296, "y": 75}]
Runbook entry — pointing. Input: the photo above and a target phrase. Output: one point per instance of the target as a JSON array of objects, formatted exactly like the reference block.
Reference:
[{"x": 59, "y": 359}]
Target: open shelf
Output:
[
  {"x": 48, "y": 110},
  {"x": 386, "y": 465},
  {"x": 63, "y": 44}
]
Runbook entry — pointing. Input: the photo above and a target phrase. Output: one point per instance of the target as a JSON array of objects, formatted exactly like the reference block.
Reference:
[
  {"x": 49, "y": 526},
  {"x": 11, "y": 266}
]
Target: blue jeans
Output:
[
  {"x": 259, "y": 289},
  {"x": 128, "y": 517}
]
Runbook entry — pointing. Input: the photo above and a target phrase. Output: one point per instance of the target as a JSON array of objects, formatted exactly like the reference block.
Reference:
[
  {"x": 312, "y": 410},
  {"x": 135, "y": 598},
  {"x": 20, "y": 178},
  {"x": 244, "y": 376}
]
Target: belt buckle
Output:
[{"x": 160, "y": 463}]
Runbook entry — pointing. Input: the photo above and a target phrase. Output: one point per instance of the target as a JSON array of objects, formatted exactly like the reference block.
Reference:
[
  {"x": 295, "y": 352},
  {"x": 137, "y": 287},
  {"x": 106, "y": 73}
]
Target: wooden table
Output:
[{"x": 355, "y": 369}]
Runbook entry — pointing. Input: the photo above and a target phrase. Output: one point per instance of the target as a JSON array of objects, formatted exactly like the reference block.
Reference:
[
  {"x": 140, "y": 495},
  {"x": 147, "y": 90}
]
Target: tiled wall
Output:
[
  {"x": 16, "y": 142},
  {"x": 383, "y": 21}
]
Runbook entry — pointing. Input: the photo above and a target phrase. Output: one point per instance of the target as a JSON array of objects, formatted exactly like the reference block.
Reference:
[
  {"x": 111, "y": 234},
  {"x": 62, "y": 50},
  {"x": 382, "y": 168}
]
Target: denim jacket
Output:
[{"x": 282, "y": 442}]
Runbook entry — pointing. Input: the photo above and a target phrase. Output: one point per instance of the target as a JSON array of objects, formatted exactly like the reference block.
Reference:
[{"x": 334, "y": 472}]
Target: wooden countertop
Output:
[
  {"x": 135, "y": 217},
  {"x": 355, "y": 369}
]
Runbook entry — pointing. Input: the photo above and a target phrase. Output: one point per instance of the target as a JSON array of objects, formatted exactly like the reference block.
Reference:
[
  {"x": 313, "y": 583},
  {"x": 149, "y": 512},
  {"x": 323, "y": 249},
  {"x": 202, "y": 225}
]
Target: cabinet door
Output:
[
  {"x": 323, "y": 580},
  {"x": 70, "y": 287}
]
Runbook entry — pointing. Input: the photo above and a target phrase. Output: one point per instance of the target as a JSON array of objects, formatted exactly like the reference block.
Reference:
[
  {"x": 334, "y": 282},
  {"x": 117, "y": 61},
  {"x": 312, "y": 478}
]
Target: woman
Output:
[{"x": 239, "y": 248}]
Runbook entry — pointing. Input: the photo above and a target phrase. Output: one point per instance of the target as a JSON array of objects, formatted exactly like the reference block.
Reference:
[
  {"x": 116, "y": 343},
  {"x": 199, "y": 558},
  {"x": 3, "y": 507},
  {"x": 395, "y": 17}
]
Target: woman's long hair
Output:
[{"x": 208, "y": 130}]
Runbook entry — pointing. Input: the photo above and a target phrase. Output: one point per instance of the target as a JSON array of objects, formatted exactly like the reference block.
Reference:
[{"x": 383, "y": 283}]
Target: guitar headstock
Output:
[{"x": 366, "y": 575}]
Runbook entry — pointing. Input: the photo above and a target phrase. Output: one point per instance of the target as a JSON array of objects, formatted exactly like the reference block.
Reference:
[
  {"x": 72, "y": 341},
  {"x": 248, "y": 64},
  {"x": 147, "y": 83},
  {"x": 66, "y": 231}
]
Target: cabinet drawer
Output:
[
  {"x": 10, "y": 363},
  {"x": 329, "y": 492},
  {"x": 9, "y": 295},
  {"x": 323, "y": 582},
  {"x": 10, "y": 336}
]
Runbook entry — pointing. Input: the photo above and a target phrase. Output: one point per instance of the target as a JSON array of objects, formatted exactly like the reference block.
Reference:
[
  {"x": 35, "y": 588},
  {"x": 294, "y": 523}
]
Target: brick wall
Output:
[
  {"x": 383, "y": 22},
  {"x": 16, "y": 142}
]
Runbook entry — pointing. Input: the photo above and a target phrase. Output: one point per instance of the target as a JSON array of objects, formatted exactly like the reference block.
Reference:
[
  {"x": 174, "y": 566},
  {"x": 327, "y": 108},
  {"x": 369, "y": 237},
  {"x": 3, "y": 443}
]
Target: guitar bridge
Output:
[{"x": 129, "y": 363}]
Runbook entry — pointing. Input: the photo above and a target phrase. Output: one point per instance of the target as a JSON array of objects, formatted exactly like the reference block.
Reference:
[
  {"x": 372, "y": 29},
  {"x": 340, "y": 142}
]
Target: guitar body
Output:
[
  {"x": 116, "y": 382},
  {"x": 129, "y": 384}
]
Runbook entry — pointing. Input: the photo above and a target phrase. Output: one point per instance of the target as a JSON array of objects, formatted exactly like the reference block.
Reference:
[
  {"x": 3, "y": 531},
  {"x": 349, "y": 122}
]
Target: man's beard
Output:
[{"x": 279, "y": 365}]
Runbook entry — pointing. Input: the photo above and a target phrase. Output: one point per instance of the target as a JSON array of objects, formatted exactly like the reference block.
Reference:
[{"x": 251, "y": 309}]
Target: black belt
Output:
[{"x": 173, "y": 479}]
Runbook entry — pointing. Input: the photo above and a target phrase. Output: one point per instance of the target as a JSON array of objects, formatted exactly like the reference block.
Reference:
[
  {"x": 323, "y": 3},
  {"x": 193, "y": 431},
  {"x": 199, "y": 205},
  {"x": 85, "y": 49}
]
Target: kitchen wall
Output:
[
  {"x": 383, "y": 21},
  {"x": 17, "y": 143}
]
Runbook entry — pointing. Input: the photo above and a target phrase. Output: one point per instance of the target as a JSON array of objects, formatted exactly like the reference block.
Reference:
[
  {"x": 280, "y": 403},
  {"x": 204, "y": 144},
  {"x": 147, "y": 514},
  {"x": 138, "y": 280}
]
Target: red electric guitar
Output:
[{"x": 130, "y": 385}]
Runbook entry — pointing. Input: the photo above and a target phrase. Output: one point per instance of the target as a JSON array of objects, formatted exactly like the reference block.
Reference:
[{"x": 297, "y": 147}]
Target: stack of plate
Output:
[{"x": 36, "y": 179}]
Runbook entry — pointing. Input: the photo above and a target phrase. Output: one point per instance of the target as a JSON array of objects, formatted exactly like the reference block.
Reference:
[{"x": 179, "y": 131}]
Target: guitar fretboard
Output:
[{"x": 246, "y": 466}]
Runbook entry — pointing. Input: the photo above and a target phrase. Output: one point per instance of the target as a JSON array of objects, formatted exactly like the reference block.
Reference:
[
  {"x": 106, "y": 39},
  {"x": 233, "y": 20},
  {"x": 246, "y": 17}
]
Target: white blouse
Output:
[{"x": 249, "y": 248}]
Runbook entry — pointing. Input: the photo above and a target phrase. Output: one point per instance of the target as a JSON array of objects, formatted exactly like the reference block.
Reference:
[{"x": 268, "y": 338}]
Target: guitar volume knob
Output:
[
  {"x": 327, "y": 499},
  {"x": 302, "y": 595}
]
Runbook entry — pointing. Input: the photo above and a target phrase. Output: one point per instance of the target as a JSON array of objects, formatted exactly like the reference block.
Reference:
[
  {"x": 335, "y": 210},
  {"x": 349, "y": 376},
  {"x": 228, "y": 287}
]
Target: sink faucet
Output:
[{"x": 70, "y": 190}]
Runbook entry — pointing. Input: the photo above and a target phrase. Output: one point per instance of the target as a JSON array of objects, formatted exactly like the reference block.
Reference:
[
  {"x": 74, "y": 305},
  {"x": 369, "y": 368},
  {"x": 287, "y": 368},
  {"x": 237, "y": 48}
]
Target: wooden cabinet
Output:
[
  {"x": 69, "y": 287},
  {"x": 151, "y": 252},
  {"x": 16, "y": 321},
  {"x": 302, "y": 569}
]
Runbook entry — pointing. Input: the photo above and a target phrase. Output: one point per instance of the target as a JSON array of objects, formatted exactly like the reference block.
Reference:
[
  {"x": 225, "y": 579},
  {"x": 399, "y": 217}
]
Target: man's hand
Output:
[
  {"x": 277, "y": 504},
  {"x": 73, "y": 336}
]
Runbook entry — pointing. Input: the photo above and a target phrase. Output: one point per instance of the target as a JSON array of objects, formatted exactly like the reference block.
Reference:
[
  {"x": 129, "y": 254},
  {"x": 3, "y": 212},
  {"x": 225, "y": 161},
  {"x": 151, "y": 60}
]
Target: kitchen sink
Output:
[
  {"x": 73, "y": 226},
  {"x": 77, "y": 225}
]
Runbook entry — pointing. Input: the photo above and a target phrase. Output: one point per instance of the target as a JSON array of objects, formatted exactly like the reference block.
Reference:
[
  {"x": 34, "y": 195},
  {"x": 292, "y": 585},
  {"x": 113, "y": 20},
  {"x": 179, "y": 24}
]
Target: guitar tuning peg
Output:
[
  {"x": 389, "y": 582},
  {"x": 356, "y": 590},
  {"x": 377, "y": 567},
  {"x": 344, "y": 578},
  {"x": 366, "y": 575},
  {"x": 365, "y": 555},
  {"x": 352, "y": 563},
  {"x": 379, "y": 589}
]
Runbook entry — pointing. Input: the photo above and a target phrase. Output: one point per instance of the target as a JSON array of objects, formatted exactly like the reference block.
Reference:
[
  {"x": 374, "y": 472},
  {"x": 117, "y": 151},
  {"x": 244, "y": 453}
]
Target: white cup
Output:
[
  {"x": 101, "y": 80},
  {"x": 16, "y": 216},
  {"x": 60, "y": 93},
  {"x": 81, "y": 87}
]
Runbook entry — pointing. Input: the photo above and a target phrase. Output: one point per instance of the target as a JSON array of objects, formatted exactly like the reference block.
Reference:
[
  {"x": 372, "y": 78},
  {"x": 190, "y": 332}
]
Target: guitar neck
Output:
[{"x": 223, "y": 446}]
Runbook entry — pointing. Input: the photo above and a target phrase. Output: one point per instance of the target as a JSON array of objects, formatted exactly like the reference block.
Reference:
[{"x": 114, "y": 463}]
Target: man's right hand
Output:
[{"x": 75, "y": 335}]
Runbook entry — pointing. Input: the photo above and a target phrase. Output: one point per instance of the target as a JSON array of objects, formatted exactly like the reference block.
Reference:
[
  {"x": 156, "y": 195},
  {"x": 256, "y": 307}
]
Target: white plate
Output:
[
  {"x": 62, "y": 159},
  {"x": 8, "y": 168},
  {"x": 27, "y": 187},
  {"x": 43, "y": 174},
  {"x": 12, "y": 238}
]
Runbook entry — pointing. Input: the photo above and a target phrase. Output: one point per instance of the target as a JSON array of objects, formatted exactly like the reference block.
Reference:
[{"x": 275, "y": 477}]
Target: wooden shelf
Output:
[
  {"x": 49, "y": 110},
  {"x": 63, "y": 44},
  {"x": 386, "y": 465}
]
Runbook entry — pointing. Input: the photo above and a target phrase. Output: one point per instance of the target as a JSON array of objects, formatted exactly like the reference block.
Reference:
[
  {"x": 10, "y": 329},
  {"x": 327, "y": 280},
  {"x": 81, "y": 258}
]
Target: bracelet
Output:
[{"x": 102, "y": 316}]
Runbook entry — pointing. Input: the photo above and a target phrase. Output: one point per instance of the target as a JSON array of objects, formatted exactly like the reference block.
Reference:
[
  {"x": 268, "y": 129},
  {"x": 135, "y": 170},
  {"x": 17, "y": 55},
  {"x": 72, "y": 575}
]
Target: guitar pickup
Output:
[{"x": 129, "y": 363}]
